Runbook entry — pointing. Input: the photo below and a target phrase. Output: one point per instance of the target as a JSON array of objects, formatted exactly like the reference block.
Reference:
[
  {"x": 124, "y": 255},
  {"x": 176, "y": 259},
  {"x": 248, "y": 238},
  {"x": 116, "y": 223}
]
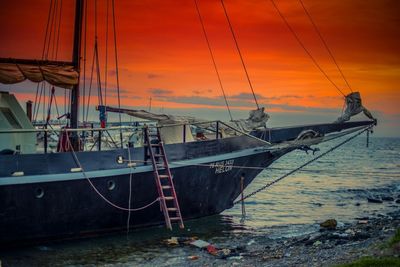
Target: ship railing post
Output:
[
  {"x": 146, "y": 146},
  {"x": 217, "y": 131},
  {"x": 242, "y": 196},
  {"x": 45, "y": 139},
  {"x": 184, "y": 133},
  {"x": 99, "y": 139}
]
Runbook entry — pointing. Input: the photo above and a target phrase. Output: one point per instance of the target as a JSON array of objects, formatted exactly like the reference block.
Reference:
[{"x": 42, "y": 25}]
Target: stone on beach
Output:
[
  {"x": 374, "y": 200},
  {"x": 329, "y": 224}
]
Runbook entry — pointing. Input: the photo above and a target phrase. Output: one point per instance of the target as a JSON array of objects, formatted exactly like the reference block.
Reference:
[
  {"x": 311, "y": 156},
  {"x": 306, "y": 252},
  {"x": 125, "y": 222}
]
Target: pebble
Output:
[
  {"x": 329, "y": 224},
  {"x": 317, "y": 243},
  {"x": 374, "y": 200}
]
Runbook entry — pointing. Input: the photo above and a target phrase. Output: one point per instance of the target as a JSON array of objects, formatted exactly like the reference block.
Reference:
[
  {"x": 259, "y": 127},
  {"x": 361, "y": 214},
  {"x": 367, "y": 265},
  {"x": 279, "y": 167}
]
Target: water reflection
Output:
[{"x": 335, "y": 187}]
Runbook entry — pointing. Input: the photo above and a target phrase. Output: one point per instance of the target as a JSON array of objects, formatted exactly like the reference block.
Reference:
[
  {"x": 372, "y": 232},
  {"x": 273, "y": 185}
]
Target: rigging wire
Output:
[
  {"x": 240, "y": 54},
  {"x": 90, "y": 87},
  {"x": 304, "y": 48},
  {"x": 325, "y": 44},
  {"x": 303, "y": 165},
  {"x": 213, "y": 59},
  {"x": 47, "y": 28},
  {"x": 99, "y": 90},
  {"x": 84, "y": 65},
  {"x": 58, "y": 29},
  {"x": 51, "y": 29},
  {"x": 54, "y": 32},
  {"x": 106, "y": 59},
  {"x": 36, "y": 105},
  {"x": 116, "y": 70}
]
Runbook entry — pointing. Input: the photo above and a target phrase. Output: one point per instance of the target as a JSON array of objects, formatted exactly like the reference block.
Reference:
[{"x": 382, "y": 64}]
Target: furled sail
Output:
[
  {"x": 60, "y": 74},
  {"x": 162, "y": 119},
  {"x": 257, "y": 118}
]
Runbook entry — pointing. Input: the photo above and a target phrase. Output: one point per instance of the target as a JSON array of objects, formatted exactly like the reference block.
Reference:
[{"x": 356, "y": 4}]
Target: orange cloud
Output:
[{"x": 161, "y": 45}]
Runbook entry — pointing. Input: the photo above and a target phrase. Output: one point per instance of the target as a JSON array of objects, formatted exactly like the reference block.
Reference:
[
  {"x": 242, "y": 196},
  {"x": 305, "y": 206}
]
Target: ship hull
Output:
[{"x": 48, "y": 206}]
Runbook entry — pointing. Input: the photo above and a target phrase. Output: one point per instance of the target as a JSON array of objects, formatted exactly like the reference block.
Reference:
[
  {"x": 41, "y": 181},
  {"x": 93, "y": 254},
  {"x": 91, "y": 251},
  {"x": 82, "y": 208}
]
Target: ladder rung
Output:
[
  {"x": 175, "y": 218},
  {"x": 172, "y": 209},
  {"x": 163, "y": 176},
  {"x": 158, "y": 155},
  {"x": 169, "y": 198},
  {"x": 166, "y": 187}
]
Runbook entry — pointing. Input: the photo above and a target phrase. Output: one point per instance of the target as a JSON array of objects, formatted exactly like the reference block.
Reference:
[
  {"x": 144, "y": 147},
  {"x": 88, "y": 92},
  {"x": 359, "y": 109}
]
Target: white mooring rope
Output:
[{"x": 101, "y": 195}]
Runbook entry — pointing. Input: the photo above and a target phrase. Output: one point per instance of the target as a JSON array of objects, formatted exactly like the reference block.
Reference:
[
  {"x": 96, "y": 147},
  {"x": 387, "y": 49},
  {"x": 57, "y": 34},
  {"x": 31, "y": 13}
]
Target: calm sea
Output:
[{"x": 336, "y": 186}]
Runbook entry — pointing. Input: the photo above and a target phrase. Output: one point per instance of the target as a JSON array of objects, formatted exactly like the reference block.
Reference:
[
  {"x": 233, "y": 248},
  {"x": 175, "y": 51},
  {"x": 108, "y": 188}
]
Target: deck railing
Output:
[{"x": 95, "y": 138}]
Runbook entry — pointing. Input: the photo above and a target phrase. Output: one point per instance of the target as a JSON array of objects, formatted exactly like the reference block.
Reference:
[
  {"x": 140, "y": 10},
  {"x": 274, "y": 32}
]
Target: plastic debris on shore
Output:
[{"x": 221, "y": 253}]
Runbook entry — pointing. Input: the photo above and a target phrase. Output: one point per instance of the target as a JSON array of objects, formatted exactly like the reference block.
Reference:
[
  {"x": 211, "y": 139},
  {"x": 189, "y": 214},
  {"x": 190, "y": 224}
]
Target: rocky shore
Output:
[{"x": 334, "y": 244}]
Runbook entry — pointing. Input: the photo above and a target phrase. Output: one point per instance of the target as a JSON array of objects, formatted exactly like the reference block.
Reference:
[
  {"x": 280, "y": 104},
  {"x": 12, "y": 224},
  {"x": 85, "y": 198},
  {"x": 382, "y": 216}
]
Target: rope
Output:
[
  {"x": 325, "y": 44},
  {"x": 84, "y": 67},
  {"x": 58, "y": 30},
  {"x": 303, "y": 165},
  {"x": 116, "y": 70},
  {"x": 240, "y": 54},
  {"x": 90, "y": 87},
  {"x": 130, "y": 191},
  {"x": 304, "y": 48},
  {"x": 98, "y": 192},
  {"x": 213, "y": 59},
  {"x": 106, "y": 57}
]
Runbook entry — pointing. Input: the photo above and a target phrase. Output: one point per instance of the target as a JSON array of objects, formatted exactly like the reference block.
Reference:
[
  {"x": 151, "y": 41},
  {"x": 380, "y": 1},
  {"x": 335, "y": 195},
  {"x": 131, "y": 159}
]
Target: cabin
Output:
[{"x": 13, "y": 118}]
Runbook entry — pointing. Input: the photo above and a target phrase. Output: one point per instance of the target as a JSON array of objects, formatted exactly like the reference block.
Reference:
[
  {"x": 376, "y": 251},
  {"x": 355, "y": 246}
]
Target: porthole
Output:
[
  {"x": 39, "y": 192},
  {"x": 111, "y": 185},
  {"x": 120, "y": 160}
]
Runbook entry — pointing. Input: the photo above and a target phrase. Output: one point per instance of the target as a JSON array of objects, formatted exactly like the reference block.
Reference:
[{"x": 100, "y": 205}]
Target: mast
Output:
[{"x": 76, "y": 55}]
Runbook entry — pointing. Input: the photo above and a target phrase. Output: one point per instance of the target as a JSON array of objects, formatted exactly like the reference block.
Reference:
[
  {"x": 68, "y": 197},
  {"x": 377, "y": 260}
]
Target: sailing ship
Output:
[{"x": 178, "y": 169}]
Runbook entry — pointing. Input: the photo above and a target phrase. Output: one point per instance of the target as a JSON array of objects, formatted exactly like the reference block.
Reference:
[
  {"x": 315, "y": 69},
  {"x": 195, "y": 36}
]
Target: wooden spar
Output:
[{"x": 35, "y": 62}]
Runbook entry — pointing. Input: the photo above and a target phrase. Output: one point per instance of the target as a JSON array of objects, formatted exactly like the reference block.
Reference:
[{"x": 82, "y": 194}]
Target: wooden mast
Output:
[{"x": 76, "y": 56}]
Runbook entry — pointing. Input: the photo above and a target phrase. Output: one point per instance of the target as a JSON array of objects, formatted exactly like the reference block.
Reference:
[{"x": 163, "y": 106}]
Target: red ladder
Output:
[{"x": 162, "y": 174}]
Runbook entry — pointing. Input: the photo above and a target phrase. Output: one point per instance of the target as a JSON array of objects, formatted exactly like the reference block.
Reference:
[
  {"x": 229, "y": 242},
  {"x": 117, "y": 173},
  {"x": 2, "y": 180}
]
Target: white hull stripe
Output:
[{"x": 43, "y": 178}]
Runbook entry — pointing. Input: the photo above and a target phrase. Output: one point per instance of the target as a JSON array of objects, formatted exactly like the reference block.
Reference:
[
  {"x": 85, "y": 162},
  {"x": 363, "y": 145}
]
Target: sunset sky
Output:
[{"x": 163, "y": 54}]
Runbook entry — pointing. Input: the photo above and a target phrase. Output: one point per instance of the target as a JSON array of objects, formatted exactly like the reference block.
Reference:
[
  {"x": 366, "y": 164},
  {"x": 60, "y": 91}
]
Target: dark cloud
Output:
[
  {"x": 160, "y": 92},
  {"x": 153, "y": 76},
  {"x": 245, "y": 96}
]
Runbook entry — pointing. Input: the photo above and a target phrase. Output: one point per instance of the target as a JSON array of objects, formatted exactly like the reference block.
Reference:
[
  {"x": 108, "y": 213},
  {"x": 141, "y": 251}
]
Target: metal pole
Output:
[
  {"x": 29, "y": 110},
  {"x": 242, "y": 197}
]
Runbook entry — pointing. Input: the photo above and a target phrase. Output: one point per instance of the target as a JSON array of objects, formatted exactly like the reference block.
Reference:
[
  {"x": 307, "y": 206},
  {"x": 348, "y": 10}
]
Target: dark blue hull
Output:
[{"x": 69, "y": 207}]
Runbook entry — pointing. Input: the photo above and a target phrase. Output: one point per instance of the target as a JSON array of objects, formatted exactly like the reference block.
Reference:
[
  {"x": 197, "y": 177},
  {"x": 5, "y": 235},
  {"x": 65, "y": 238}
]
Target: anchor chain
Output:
[{"x": 303, "y": 165}]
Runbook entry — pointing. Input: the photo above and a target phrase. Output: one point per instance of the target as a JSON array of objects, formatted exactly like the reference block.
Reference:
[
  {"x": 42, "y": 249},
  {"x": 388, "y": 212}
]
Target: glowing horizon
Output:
[{"x": 163, "y": 54}]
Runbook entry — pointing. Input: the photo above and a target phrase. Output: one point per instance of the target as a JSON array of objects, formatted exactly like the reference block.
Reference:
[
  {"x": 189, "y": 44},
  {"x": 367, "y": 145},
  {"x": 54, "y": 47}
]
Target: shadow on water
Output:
[
  {"x": 136, "y": 247},
  {"x": 336, "y": 187}
]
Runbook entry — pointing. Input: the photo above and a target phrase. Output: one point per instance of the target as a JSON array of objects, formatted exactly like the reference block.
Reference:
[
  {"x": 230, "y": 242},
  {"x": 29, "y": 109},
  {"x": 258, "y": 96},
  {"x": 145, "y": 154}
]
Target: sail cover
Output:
[
  {"x": 60, "y": 75},
  {"x": 353, "y": 107}
]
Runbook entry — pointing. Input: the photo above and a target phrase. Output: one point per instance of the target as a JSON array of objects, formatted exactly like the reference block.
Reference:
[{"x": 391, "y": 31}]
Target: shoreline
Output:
[{"x": 344, "y": 244}]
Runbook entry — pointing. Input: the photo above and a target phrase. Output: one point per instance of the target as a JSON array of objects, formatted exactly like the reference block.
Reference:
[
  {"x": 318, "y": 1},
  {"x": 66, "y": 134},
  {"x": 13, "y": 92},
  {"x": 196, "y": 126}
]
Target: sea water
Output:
[{"x": 335, "y": 186}]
